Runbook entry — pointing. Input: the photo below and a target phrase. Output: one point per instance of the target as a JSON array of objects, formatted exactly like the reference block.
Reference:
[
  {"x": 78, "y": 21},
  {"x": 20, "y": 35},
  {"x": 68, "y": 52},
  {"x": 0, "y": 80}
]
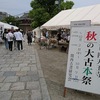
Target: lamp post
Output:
[{"x": 58, "y": 2}]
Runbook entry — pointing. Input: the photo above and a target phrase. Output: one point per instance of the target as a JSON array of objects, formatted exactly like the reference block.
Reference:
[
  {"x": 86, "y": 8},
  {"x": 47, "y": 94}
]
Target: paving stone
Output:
[
  {"x": 21, "y": 94},
  {"x": 45, "y": 93},
  {"x": 33, "y": 85},
  {"x": 38, "y": 61},
  {"x": 16, "y": 69},
  {"x": 9, "y": 73},
  {"x": 7, "y": 56},
  {"x": 32, "y": 65},
  {"x": 23, "y": 65},
  {"x": 32, "y": 72},
  {"x": 44, "y": 89},
  {"x": 22, "y": 98},
  {"x": 0, "y": 67},
  {"x": 25, "y": 69},
  {"x": 33, "y": 61},
  {"x": 18, "y": 62},
  {"x": 21, "y": 73},
  {"x": 18, "y": 86},
  {"x": 11, "y": 79},
  {"x": 35, "y": 77},
  {"x": 10, "y": 60},
  {"x": 38, "y": 66},
  {"x": 5, "y": 95},
  {"x": 6, "y": 69},
  {"x": 1, "y": 73},
  {"x": 25, "y": 78},
  {"x": 36, "y": 95},
  {"x": 5, "y": 87},
  {"x": 2, "y": 62},
  {"x": 1, "y": 84},
  {"x": 33, "y": 68},
  {"x": 4, "y": 65},
  {"x": 26, "y": 61},
  {"x": 2, "y": 78},
  {"x": 33, "y": 57},
  {"x": 40, "y": 73},
  {"x": 13, "y": 65}
]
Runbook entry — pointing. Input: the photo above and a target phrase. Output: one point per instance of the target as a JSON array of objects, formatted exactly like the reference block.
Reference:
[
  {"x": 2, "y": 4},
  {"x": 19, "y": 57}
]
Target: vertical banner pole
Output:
[{"x": 65, "y": 90}]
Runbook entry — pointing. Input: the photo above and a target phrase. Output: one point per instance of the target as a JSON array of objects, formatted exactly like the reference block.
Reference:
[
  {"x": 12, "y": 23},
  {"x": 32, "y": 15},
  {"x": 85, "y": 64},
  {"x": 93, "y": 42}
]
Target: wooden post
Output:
[{"x": 64, "y": 91}]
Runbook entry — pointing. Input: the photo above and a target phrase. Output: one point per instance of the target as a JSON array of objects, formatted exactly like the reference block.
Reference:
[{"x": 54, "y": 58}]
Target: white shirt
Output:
[
  {"x": 18, "y": 35},
  {"x": 68, "y": 38},
  {"x": 9, "y": 36}
]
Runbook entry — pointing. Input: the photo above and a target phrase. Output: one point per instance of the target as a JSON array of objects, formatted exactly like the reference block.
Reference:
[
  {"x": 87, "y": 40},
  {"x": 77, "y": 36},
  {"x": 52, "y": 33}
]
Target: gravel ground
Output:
[{"x": 53, "y": 63}]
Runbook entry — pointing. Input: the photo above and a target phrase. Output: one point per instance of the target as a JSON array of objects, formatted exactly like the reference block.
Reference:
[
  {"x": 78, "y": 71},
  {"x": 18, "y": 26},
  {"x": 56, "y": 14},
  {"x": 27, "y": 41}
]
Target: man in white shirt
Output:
[
  {"x": 9, "y": 37},
  {"x": 19, "y": 37}
]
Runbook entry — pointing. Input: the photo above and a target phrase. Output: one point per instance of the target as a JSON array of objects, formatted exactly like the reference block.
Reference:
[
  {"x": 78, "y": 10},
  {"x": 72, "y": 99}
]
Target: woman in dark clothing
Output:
[
  {"x": 29, "y": 37},
  {"x": 58, "y": 37},
  {"x": 5, "y": 38}
]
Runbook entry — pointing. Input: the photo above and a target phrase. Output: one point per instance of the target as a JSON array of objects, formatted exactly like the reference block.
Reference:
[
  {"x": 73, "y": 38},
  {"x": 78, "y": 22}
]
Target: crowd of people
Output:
[
  {"x": 63, "y": 35},
  {"x": 11, "y": 37}
]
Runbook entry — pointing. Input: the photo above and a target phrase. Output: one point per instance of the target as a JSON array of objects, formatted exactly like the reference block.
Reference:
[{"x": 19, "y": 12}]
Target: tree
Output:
[
  {"x": 43, "y": 10},
  {"x": 66, "y": 5},
  {"x": 10, "y": 20}
]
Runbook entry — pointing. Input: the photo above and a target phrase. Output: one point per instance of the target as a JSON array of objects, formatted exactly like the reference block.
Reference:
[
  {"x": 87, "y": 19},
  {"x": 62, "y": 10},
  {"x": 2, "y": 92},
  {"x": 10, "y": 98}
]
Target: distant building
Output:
[
  {"x": 25, "y": 22},
  {"x": 3, "y": 15}
]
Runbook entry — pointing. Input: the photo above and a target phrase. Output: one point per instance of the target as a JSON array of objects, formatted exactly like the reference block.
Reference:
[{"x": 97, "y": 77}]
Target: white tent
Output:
[
  {"x": 38, "y": 32},
  {"x": 8, "y": 26},
  {"x": 63, "y": 18}
]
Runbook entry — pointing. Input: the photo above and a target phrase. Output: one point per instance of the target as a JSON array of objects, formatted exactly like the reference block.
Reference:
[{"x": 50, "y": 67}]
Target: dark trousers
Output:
[
  {"x": 19, "y": 44},
  {"x": 10, "y": 45}
]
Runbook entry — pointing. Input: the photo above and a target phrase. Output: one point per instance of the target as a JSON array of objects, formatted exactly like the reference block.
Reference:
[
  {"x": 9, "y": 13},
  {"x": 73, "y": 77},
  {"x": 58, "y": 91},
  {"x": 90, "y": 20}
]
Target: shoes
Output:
[{"x": 22, "y": 49}]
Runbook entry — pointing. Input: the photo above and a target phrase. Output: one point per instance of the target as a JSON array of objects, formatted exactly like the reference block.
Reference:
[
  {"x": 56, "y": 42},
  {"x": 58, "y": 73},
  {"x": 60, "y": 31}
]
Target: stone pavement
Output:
[{"x": 21, "y": 76}]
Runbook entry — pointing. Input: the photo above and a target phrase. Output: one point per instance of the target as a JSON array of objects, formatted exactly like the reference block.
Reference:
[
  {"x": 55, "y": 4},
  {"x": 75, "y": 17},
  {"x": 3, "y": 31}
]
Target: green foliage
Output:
[
  {"x": 67, "y": 5},
  {"x": 43, "y": 10}
]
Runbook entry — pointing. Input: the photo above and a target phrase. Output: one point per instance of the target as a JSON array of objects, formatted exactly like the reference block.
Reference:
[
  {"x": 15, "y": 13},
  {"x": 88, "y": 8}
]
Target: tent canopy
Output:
[
  {"x": 63, "y": 18},
  {"x": 8, "y": 26},
  {"x": 38, "y": 32}
]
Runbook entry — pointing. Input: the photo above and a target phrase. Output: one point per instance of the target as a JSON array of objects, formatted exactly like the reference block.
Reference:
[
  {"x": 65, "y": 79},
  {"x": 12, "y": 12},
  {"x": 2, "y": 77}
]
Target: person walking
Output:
[
  {"x": 34, "y": 36},
  {"x": 29, "y": 37},
  {"x": 10, "y": 39},
  {"x": 58, "y": 36},
  {"x": 19, "y": 38},
  {"x": 5, "y": 38},
  {"x": 14, "y": 39}
]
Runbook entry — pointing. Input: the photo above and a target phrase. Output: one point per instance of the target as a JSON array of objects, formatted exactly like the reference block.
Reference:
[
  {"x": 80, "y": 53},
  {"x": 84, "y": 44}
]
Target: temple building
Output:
[{"x": 25, "y": 22}]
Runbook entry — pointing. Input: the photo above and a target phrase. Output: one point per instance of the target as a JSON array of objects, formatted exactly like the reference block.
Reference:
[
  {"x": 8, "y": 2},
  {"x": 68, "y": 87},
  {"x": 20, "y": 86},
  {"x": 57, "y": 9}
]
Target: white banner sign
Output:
[
  {"x": 83, "y": 67},
  {"x": 83, "y": 23}
]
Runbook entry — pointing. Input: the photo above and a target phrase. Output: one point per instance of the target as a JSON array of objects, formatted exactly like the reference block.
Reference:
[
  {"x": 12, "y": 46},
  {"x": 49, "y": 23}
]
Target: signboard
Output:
[
  {"x": 83, "y": 67},
  {"x": 1, "y": 30},
  {"x": 84, "y": 23}
]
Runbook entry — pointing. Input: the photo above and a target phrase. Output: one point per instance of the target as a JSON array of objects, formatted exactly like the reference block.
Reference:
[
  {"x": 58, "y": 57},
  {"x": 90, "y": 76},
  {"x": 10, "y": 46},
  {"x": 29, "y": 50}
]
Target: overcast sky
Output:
[
  {"x": 82, "y": 3},
  {"x": 15, "y": 7}
]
